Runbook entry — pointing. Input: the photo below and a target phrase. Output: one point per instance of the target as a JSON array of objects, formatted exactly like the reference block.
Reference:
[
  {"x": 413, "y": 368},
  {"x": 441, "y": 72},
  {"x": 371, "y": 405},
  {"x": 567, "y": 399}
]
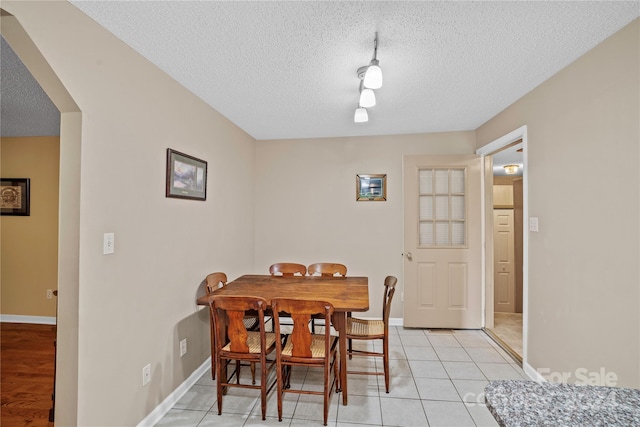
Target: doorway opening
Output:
[
  {"x": 507, "y": 248},
  {"x": 66, "y": 347},
  {"x": 505, "y": 257}
]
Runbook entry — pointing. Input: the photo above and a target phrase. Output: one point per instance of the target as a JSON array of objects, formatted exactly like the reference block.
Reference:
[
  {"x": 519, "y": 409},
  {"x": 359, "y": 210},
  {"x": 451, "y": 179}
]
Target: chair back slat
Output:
[
  {"x": 327, "y": 269},
  {"x": 301, "y": 335},
  {"x": 287, "y": 269},
  {"x": 237, "y": 332},
  {"x": 215, "y": 281}
]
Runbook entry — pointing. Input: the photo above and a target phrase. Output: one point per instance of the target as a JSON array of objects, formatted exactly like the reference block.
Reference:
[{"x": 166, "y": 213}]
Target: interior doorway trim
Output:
[{"x": 490, "y": 148}]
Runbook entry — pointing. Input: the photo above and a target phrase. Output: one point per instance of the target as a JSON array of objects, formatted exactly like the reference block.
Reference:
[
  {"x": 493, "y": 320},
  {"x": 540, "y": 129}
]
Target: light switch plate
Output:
[
  {"x": 533, "y": 224},
  {"x": 108, "y": 243}
]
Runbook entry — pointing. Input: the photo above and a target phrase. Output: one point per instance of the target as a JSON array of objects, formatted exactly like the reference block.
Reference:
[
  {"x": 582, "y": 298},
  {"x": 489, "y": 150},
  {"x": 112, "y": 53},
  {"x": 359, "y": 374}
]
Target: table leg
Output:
[{"x": 340, "y": 325}]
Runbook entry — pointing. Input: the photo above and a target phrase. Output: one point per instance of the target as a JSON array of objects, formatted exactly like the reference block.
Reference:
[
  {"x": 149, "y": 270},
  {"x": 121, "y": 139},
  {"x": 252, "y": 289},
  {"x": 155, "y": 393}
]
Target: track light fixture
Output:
[{"x": 370, "y": 78}]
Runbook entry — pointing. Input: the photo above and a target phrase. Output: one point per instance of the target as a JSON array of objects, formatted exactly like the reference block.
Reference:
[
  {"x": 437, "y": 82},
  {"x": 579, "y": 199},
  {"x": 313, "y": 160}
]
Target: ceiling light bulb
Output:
[
  {"x": 361, "y": 115},
  {"x": 511, "y": 169},
  {"x": 373, "y": 76},
  {"x": 367, "y": 98}
]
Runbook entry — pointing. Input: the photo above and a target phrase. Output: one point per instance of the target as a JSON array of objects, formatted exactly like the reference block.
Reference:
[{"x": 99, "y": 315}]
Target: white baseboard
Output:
[
  {"x": 533, "y": 373},
  {"x": 39, "y": 320},
  {"x": 161, "y": 410},
  {"x": 396, "y": 321}
]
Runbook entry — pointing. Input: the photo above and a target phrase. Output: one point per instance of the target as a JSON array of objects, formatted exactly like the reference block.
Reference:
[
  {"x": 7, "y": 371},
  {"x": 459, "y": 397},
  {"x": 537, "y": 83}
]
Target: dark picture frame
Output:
[
  {"x": 186, "y": 176},
  {"x": 15, "y": 197},
  {"x": 371, "y": 188}
]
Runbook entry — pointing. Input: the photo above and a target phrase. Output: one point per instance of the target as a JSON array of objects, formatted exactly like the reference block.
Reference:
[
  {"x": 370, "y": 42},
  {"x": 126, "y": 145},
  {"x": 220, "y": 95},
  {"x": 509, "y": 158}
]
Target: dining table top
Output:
[{"x": 349, "y": 293}]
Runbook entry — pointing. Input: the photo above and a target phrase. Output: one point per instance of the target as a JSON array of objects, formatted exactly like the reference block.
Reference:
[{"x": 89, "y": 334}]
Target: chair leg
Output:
[
  {"x": 336, "y": 373},
  {"x": 287, "y": 377},
  {"x": 213, "y": 352},
  {"x": 213, "y": 367},
  {"x": 350, "y": 351},
  {"x": 327, "y": 389},
  {"x": 263, "y": 388},
  {"x": 280, "y": 388},
  {"x": 385, "y": 359},
  {"x": 253, "y": 373},
  {"x": 219, "y": 390}
]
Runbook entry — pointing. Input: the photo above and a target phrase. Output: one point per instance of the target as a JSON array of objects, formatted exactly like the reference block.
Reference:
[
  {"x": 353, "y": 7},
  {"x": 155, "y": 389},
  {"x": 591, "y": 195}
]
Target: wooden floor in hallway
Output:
[
  {"x": 508, "y": 327},
  {"x": 27, "y": 356}
]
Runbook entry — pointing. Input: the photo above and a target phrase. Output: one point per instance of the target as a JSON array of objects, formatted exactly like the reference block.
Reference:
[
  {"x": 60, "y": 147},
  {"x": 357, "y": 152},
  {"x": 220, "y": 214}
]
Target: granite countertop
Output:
[{"x": 528, "y": 403}]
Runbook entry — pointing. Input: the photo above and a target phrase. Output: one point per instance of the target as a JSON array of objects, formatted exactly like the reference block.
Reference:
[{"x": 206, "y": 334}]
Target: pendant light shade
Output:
[
  {"x": 367, "y": 98},
  {"x": 373, "y": 76},
  {"x": 361, "y": 115}
]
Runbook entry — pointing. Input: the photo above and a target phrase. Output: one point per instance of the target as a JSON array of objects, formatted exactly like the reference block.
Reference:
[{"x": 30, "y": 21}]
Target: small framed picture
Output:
[
  {"x": 14, "y": 196},
  {"x": 371, "y": 188},
  {"x": 186, "y": 176}
]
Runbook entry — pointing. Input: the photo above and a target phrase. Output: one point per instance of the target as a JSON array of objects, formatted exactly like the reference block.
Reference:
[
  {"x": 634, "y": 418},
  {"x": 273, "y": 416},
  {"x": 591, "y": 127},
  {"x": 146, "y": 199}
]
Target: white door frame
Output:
[{"x": 492, "y": 147}]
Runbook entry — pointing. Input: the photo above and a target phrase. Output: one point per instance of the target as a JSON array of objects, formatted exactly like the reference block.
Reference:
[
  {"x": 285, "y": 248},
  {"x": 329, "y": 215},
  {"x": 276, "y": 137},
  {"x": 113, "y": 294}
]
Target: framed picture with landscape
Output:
[
  {"x": 186, "y": 176},
  {"x": 15, "y": 197},
  {"x": 371, "y": 188}
]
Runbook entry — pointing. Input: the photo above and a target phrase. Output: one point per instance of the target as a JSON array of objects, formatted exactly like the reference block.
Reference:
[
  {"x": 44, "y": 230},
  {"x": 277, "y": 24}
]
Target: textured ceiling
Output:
[
  {"x": 288, "y": 69},
  {"x": 25, "y": 109}
]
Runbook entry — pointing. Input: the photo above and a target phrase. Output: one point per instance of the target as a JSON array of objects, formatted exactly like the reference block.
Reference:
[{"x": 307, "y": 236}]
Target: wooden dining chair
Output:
[
  {"x": 287, "y": 269},
  {"x": 361, "y": 329},
  {"x": 326, "y": 269},
  {"x": 215, "y": 281},
  {"x": 302, "y": 348},
  {"x": 235, "y": 343}
]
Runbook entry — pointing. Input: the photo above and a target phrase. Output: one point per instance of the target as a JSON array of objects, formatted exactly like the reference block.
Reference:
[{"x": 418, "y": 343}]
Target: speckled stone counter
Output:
[{"x": 528, "y": 403}]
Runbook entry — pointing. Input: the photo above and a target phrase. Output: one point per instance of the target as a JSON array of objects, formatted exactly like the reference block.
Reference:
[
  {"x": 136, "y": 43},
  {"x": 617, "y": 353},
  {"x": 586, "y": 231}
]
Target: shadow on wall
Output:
[{"x": 195, "y": 330}]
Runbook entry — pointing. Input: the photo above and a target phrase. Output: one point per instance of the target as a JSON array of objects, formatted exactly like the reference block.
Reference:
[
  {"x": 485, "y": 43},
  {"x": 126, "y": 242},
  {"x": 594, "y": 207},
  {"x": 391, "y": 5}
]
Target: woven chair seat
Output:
[
  {"x": 251, "y": 323},
  {"x": 253, "y": 341},
  {"x": 364, "y": 328},
  {"x": 317, "y": 346}
]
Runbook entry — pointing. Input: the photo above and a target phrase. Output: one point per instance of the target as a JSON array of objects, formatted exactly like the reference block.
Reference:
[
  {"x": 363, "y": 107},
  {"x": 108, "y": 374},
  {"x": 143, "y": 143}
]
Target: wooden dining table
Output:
[{"x": 346, "y": 294}]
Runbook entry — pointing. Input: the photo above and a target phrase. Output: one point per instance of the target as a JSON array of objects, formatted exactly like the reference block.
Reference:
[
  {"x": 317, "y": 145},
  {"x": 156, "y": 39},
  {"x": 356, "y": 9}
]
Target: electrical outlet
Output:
[
  {"x": 108, "y": 243},
  {"x": 146, "y": 375},
  {"x": 49, "y": 293},
  {"x": 183, "y": 347}
]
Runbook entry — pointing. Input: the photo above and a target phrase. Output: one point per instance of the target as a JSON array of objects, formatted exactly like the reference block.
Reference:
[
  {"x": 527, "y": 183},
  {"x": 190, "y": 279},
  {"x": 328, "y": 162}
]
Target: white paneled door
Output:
[
  {"x": 504, "y": 284},
  {"x": 442, "y": 242}
]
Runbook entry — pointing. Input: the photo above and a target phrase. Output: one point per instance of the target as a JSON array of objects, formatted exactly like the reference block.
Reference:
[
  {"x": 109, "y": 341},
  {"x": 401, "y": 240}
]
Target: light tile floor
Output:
[{"x": 437, "y": 379}]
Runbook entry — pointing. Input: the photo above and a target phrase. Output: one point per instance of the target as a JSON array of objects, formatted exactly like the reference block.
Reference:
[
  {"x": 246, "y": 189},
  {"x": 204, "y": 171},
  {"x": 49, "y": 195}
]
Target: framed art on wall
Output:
[
  {"x": 186, "y": 176},
  {"x": 15, "y": 197},
  {"x": 371, "y": 188}
]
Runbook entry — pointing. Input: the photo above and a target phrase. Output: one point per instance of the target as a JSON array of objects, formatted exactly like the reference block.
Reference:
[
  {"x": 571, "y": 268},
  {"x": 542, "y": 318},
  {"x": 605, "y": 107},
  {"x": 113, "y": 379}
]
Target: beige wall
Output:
[
  {"x": 306, "y": 208},
  {"x": 30, "y": 243},
  {"x": 135, "y": 305},
  {"x": 583, "y": 152}
]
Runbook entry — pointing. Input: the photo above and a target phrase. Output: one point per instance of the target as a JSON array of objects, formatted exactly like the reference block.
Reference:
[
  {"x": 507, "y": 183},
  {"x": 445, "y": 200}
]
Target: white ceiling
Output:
[{"x": 287, "y": 69}]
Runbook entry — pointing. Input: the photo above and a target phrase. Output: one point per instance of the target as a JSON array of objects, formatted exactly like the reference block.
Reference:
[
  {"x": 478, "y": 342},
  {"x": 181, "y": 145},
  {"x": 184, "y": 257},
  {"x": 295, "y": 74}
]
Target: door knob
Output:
[{"x": 409, "y": 256}]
